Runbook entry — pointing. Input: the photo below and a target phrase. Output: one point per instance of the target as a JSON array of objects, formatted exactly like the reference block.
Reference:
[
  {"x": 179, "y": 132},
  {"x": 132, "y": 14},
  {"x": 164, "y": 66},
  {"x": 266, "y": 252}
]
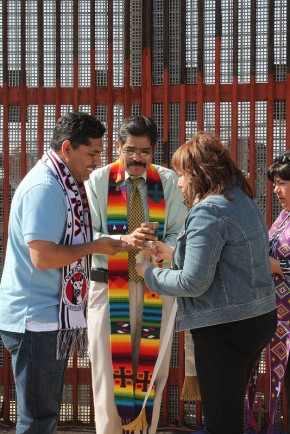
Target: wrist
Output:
[
  {"x": 170, "y": 253},
  {"x": 124, "y": 238},
  {"x": 127, "y": 239}
]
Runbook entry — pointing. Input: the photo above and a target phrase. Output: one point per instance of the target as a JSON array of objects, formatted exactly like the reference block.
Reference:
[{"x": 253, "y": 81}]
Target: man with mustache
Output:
[{"x": 128, "y": 325}]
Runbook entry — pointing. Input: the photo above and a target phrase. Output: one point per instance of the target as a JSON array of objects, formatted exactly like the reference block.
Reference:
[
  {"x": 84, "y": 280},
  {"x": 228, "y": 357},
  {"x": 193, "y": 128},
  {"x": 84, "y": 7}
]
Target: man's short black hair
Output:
[
  {"x": 78, "y": 128},
  {"x": 138, "y": 126}
]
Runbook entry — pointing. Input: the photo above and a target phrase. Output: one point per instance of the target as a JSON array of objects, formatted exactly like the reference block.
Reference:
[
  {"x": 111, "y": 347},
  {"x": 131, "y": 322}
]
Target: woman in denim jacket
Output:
[{"x": 221, "y": 277}]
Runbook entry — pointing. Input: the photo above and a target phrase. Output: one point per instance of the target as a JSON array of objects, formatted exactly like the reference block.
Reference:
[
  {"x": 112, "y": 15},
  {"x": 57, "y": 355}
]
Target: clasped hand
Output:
[
  {"x": 158, "y": 251},
  {"x": 139, "y": 237}
]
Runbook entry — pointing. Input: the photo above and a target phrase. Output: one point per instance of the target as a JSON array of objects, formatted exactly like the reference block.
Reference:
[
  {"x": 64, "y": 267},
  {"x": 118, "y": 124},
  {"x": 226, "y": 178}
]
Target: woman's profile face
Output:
[
  {"x": 282, "y": 190},
  {"x": 182, "y": 182}
]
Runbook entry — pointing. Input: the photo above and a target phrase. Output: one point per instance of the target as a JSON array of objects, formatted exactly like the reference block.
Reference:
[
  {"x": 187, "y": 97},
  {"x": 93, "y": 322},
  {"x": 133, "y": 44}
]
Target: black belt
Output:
[{"x": 99, "y": 275}]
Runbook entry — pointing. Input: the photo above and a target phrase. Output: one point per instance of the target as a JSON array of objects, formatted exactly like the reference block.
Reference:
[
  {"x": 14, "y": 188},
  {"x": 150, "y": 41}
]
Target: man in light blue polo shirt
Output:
[{"x": 37, "y": 252}]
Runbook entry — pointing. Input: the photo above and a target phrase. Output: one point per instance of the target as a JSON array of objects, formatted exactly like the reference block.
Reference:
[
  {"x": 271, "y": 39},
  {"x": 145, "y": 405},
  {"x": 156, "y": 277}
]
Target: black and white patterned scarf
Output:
[{"x": 72, "y": 324}]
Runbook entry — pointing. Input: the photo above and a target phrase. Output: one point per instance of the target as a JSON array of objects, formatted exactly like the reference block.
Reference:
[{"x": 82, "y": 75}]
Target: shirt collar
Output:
[{"x": 144, "y": 176}]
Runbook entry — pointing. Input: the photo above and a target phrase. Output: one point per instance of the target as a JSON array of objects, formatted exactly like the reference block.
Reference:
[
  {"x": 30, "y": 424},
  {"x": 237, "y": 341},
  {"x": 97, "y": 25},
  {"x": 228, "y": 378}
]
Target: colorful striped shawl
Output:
[{"x": 130, "y": 392}]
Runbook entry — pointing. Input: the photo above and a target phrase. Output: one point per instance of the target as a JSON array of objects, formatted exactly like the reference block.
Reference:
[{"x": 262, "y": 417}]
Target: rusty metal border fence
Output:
[{"x": 219, "y": 65}]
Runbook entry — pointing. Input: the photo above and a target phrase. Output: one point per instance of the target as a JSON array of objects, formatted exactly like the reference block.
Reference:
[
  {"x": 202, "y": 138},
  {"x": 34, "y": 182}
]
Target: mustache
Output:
[{"x": 136, "y": 163}]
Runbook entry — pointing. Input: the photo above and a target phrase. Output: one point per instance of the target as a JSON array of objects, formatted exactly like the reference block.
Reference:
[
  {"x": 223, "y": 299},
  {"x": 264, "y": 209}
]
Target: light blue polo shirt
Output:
[{"x": 38, "y": 212}]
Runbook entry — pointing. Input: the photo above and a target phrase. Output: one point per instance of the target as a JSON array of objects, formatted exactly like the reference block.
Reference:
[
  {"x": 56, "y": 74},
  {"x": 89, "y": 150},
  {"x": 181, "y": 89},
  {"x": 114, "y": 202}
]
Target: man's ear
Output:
[
  {"x": 66, "y": 148},
  {"x": 118, "y": 145}
]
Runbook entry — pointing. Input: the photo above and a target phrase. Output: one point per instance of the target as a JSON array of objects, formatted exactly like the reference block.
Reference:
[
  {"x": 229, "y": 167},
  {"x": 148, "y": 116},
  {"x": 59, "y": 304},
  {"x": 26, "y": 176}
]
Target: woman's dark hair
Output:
[
  {"x": 280, "y": 168},
  {"x": 78, "y": 128},
  {"x": 138, "y": 126},
  {"x": 208, "y": 168}
]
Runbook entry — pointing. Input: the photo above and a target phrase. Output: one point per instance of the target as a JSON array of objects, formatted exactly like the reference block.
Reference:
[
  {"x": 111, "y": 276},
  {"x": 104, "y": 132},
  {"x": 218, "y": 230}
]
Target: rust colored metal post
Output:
[
  {"x": 182, "y": 113},
  {"x": 198, "y": 410}
]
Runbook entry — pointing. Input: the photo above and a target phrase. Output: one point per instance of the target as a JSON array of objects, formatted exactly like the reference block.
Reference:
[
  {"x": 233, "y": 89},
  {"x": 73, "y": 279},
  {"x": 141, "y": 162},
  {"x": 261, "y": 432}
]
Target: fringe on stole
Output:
[
  {"x": 190, "y": 390},
  {"x": 139, "y": 423},
  {"x": 69, "y": 341}
]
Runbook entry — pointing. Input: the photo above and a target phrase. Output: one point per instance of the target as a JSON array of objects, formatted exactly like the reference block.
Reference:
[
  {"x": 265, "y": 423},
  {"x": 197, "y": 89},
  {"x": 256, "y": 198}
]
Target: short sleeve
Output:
[{"x": 44, "y": 214}]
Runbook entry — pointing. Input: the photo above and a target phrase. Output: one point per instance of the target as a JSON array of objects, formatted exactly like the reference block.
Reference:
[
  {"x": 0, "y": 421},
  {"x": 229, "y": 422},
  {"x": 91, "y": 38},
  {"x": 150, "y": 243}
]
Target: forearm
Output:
[
  {"x": 174, "y": 282},
  {"x": 281, "y": 267},
  {"x": 275, "y": 266},
  {"x": 45, "y": 254}
]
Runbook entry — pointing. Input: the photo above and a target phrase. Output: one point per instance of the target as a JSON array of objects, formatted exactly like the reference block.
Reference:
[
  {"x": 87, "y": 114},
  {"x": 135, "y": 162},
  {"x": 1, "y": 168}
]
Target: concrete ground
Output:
[
  {"x": 7, "y": 430},
  {"x": 12, "y": 431}
]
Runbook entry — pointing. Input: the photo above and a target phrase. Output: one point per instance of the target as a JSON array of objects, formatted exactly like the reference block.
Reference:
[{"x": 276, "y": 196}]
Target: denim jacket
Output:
[{"x": 222, "y": 270}]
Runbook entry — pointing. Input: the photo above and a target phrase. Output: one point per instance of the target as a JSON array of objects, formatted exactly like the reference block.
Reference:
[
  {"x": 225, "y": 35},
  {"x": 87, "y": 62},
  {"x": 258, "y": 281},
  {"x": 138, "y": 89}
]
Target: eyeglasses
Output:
[{"x": 142, "y": 152}]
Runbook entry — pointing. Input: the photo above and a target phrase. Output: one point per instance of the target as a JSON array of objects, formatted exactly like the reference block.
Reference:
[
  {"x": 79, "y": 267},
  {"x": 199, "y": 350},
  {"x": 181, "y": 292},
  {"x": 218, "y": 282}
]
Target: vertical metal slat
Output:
[
  {"x": 165, "y": 144},
  {"x": 57, "y": 60},
  {"x": 252, "y": 133},
  {"x": 200, "y": 66},
  {"x": 270, "y": 105},
  {"x": 40, "y": 67},
  {"x": 218, "y": 32},
  {"x": 110, "y": 81},
  {"x": 127, "y": 88},
  {"x": 146, "y": 90},
  {"x": 234, "y": 123},
  {"x": 23, "y": 104}
]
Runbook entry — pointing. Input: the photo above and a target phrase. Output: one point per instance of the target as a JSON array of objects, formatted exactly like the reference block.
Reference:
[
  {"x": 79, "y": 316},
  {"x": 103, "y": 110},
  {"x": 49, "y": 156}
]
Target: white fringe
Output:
[{"x": 71, "y": 341}]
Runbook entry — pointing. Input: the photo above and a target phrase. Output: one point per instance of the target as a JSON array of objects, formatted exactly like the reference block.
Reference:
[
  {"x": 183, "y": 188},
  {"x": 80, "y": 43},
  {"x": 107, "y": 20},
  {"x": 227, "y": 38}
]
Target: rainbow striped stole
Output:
[{"x": 130, "y": 392}]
